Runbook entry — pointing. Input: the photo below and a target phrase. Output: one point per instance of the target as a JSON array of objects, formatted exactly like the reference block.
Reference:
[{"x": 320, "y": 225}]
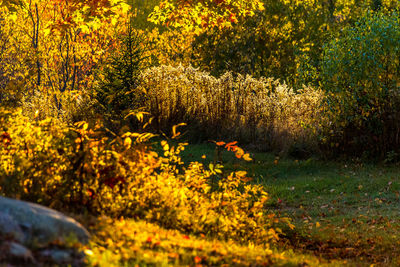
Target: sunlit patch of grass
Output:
[{"x": 129, "y": 243}]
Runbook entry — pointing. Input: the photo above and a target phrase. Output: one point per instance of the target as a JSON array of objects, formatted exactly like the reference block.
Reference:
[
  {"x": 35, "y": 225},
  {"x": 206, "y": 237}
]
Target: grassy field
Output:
[{"x": 342, "y": 210}]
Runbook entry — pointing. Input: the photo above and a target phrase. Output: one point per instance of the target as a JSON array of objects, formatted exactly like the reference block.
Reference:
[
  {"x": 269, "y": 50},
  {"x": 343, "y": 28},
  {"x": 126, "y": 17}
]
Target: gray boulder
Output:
[
  {"x": 9, "y": 228},
  {"x": 41, "y": 225},
  {"x": 15, "y": 251},
  {"x": 58, "y": 256}
]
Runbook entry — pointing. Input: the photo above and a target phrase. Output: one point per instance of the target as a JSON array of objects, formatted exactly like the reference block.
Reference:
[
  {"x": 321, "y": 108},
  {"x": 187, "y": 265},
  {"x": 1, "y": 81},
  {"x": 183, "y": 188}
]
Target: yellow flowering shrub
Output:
[{"x": 79, "y": 168}]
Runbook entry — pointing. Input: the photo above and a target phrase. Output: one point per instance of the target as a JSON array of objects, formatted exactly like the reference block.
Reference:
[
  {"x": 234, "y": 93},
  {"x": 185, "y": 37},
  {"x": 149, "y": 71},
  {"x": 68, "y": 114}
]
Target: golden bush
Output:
[{"x": 78, "y": 168}]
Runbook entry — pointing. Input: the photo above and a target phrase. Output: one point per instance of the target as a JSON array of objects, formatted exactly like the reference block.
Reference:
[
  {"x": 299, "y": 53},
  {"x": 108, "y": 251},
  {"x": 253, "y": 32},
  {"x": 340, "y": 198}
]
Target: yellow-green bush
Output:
[
  {"x": 360, "y": 75},
  {"x": 258, "y": 111},
  {"x": 78, "y": 168}
]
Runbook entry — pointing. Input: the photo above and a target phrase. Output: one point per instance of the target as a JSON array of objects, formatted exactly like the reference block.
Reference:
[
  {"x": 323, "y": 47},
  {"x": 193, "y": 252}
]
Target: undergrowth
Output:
[
  {"x": 79, "y": 168},
  {"x": 125, "y": 242}
]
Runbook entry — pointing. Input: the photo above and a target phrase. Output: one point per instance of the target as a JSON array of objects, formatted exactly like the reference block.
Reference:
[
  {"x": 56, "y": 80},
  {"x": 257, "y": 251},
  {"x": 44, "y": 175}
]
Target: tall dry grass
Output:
[{"x": 262, "y": 112}]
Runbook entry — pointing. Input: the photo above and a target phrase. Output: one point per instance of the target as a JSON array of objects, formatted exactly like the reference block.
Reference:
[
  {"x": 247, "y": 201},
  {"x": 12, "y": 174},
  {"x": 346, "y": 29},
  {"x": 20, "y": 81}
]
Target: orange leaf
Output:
[
  {"x": 221, "y": 143},
  {"x": 231, "y": 144},
  {"x": 246, "y": 179},
  {"x": 197, "y": 259}
]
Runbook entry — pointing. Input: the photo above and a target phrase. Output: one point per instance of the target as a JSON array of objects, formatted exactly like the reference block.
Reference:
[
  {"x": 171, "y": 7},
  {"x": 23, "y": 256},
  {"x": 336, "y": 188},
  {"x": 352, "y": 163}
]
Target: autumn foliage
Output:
[
  {"x": 53, "y": 47},
  {"x": 98, "y": 99},
  {"x": 77, "y": 168},
  {"x": 197, "y": 16}
]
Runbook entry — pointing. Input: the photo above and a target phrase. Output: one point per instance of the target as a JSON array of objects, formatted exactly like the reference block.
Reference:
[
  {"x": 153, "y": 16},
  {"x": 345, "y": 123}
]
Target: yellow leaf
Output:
[
  {"x": 47, "y": 31},
  {"x": 127, "y": 142},
  {"x": 174, "y": 133},
  {"x": 241, "y": 173},
  {"x": 165, "y": 145},
  {"x": 239, "y": 152},
  {"x": 247, "y": 157},
  {"x": 13, "y": 16}
]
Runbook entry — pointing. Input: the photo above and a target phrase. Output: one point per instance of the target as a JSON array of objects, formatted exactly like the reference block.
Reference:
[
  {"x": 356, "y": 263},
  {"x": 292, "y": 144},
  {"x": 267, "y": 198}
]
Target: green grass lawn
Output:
[{"x": 341, "y": 210}]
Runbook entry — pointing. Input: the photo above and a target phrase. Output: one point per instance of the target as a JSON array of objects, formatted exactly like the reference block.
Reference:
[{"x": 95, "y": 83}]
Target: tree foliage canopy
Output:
[{"x": 199, "y": 15}]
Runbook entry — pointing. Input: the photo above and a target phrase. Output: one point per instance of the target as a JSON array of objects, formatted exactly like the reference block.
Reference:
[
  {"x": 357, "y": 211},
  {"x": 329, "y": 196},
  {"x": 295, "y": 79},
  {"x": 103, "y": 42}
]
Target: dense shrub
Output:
[
  {"x": 360, "y": 75},
  {"x": 258, "y": 111},
  {"x": 77, "y": 168}
]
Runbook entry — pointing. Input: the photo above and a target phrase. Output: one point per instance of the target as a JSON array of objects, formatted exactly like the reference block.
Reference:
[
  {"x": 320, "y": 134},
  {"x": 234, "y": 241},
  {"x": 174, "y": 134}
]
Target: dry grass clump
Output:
[
  {"x": 68, "y": 106},
  {"x": 262, "y": 112}
]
